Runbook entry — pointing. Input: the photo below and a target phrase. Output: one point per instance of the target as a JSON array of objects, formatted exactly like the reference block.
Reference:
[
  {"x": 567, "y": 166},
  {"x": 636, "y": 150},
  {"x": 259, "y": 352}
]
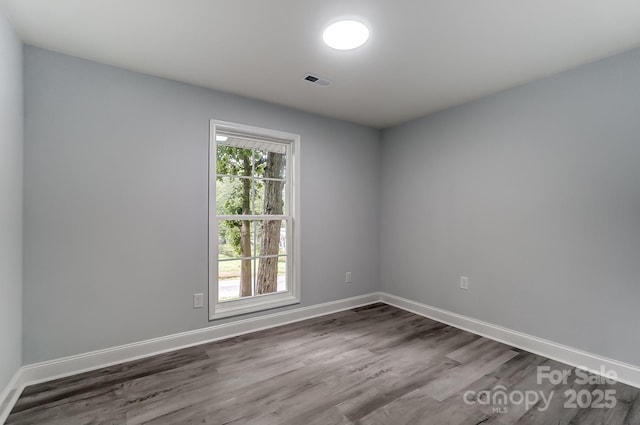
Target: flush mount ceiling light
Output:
[{"x": 346, "y": 35}]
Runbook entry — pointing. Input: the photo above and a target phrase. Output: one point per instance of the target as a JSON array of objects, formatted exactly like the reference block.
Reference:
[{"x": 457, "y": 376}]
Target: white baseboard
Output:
[
  {"x": 54, "y": 369},
  {"x": 66, "y": 366},
  {"x": 58, "y": 368},
  {"x": 627, "y": 374},
  {"x": 9, "y": 395}
]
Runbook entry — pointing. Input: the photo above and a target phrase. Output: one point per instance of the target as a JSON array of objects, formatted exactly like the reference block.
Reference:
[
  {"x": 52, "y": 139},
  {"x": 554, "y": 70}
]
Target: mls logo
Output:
[{"x": 499, "y": 410}]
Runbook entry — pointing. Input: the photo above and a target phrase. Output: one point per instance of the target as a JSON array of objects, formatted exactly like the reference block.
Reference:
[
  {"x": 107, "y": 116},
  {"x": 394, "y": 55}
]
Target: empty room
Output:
[{"x": 316, "y": 213}]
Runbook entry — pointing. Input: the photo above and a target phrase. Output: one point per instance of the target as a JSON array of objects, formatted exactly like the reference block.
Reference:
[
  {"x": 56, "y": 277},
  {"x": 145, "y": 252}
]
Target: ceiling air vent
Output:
[{"x": 318, "y": 81}]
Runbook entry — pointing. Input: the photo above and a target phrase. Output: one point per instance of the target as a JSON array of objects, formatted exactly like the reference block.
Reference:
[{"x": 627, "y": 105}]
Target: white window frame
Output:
[{"x": 261, "y": 302}]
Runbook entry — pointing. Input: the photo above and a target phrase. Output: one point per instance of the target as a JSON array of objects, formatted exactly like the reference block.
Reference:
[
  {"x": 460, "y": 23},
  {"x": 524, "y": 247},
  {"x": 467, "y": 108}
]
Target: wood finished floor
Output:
[{"x": 370, "y": 366}]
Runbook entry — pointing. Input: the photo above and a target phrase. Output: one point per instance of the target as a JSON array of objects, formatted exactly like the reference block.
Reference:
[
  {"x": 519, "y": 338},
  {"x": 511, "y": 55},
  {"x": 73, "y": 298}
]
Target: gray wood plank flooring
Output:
[{"x": 369, "y": 366}]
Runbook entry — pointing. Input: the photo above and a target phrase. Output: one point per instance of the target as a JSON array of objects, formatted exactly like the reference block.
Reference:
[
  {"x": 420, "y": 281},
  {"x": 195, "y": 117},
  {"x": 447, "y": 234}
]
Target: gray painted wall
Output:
[
  {"x": 116, "y": 203},
  {"x": 534, "y": 194},
  {"x": 11, "y": 164}
]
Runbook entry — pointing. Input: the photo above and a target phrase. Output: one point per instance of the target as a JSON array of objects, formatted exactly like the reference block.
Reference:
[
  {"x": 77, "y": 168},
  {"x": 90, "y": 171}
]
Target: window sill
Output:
[{"x": 251, "y": 305}]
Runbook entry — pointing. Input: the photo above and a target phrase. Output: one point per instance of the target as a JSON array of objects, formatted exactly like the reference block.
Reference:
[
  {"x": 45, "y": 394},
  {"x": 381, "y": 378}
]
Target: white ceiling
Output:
[{"x": 423, "y": 55}]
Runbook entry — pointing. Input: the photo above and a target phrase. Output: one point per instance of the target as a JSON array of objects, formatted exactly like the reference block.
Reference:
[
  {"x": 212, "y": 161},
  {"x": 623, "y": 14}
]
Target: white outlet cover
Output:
[
  {"x": 464, "y": 282},
  {"x": 198, "y": 300}
]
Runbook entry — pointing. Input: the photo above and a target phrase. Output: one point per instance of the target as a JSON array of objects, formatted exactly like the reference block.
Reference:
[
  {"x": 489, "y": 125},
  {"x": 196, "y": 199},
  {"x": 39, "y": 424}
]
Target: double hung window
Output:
[{"x": 252, "y": 219}]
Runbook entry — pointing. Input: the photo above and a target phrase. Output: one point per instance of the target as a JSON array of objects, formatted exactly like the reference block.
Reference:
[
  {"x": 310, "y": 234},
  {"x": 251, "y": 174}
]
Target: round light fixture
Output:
[{"x": 346, "y": 35}]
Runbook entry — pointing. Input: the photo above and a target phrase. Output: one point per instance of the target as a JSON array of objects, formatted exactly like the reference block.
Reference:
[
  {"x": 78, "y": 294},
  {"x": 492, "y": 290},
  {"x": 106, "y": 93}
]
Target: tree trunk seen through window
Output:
[
  {"x": 245, "y": 230},
  {"x": 267, "y": 277}
]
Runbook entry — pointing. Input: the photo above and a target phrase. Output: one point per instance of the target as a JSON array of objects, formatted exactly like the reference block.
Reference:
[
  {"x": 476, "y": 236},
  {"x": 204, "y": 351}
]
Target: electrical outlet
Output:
[
  {"x": 347, "y": 277},
  {"x": 198, "y": 300},
  {"x": 464, "y": 282}
]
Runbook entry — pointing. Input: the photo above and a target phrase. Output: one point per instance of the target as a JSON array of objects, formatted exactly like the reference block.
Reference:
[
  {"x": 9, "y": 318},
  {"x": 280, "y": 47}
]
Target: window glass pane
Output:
[
  {"x": 233, "y": 196},
  {"x": 271, "y": 237},
  {"x": 282, "y": 273},
  {"x": 285, "y": 200},
  {"x": 235, "y": 279},
  {"x": 282, "y": 244},
  {"x": 257, "y": 197},
  {"x": 269, "y": 197},
  {"x": 270, "y": 163},
  {"x": 232, "y": 160},
  {"x": 236, "y": 238},
  {"x": 271, "y": 275}
]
